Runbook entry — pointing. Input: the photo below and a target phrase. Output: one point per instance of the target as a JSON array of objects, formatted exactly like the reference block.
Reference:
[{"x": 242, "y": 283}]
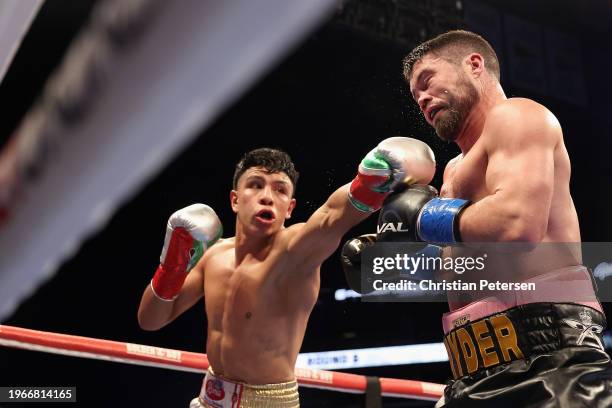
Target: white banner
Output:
[
  {"x": 15, "y": 19},
  {"x": 373, "y": 357},
  {"x": 136, "y": 87}
]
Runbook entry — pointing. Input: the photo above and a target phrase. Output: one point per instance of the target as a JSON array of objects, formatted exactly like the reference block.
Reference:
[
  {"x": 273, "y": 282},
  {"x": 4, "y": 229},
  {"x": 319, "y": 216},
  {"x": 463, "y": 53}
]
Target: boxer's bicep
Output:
[
  {"x": 447, "y": 175},
  {"x": 519, "y": 179},
  {"x": 522, "y": 170},
  {"x": 320, "y": 236}
]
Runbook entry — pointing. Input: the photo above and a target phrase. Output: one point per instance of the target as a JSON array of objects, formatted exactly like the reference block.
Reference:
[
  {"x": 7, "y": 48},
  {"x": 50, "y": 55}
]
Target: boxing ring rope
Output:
[{"x": 139, "y": 354}]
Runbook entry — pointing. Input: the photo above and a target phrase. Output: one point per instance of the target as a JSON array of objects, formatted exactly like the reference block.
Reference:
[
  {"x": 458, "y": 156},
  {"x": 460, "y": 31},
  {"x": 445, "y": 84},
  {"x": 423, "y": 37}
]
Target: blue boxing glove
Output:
[{"x": 417, "y": 214}]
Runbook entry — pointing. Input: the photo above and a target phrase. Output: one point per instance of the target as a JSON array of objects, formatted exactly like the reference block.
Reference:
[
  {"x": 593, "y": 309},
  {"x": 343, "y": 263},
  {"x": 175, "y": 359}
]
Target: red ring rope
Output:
[{"x": 140, "y": 354}]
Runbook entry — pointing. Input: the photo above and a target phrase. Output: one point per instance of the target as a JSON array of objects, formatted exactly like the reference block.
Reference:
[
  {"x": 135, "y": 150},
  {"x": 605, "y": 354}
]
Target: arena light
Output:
[{"x": 343, "y": 294}]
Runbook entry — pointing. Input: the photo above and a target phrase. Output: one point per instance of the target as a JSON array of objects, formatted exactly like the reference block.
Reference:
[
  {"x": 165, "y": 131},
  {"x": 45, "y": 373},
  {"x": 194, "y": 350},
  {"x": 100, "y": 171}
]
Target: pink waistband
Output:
[{"x": 572, "y": 284}]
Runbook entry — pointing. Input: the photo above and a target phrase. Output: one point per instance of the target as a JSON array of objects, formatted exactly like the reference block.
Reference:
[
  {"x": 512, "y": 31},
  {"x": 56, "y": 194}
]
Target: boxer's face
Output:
[
  {"x": 444, "y": 94},
  {"x": 262, "y": 201}
]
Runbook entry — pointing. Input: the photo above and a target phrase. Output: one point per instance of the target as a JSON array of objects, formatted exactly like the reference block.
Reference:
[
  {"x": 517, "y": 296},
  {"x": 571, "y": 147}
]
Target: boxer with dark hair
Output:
[
  {"x": 260, "y": 286},
  {"x": 509, "y": 186}
]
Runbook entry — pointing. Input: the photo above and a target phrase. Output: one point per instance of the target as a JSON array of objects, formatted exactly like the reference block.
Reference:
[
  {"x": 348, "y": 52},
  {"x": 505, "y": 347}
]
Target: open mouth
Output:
[
  {"x": 434, "y": 112},
  {"x": 265, "y": 216}
]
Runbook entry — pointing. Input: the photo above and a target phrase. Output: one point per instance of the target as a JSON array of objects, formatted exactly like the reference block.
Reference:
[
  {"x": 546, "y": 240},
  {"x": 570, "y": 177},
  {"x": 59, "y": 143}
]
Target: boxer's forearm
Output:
[
  {"x": 497, "y": 218},
  {"x": 321, "y": 234},
  {"x": 340, "y": 214},
  {"x": 153, "y": 313},
  {"x": 329, "y": 223}
]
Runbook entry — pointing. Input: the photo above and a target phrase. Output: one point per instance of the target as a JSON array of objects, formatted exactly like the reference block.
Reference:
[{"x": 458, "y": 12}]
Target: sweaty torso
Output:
[
  {"x": 257, "y": 312},
  {"x": 466, "y": 177}
]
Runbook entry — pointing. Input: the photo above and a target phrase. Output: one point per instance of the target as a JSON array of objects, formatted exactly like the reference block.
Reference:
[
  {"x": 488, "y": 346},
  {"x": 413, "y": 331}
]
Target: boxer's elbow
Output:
[
  {"x": 148, "y": 324},
  {"x": 145, "y": 323},
  {"x": 524, "y": 228}
]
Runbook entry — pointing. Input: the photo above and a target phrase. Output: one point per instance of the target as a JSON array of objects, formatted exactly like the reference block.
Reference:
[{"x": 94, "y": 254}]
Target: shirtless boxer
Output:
[
  {"x": 509, "y": 185},
  {"x": 260, "y": 286}
]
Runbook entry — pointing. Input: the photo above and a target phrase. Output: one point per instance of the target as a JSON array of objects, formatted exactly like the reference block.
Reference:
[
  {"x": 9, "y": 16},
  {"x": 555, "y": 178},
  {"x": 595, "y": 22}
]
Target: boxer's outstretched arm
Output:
[
  {"x": 319, "y": 237},
  {"x": 395, "y": 161},
  {"x": 520, "y": 137}
]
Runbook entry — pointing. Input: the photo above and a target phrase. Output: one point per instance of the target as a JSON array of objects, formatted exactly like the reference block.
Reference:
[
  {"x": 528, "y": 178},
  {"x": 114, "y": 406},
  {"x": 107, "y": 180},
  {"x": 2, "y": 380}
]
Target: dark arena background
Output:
[{"x": 327, "y": 98}]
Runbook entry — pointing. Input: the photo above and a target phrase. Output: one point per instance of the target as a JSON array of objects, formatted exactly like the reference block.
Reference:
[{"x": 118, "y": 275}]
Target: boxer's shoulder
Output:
[
  {"x": 286, "y": 235},
  {"x": 291, "y": 240},
  {"x": 223, "y": 244},
  {"x": 522, "y": 103},
  {"x": 449, "y": 170},
  {"x": 520, "y": 120},
  {"x": 520, "y": 112},
  {"x": 221, "y": 248},
  {"x": 453, "y": 162}
]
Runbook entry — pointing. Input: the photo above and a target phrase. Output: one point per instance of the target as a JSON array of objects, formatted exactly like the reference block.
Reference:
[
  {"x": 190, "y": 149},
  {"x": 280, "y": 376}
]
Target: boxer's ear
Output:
[
  {"x": 475, "y": 64},
  {"x": 291, "y": 207},
  {"x": 234, "y": 200}
]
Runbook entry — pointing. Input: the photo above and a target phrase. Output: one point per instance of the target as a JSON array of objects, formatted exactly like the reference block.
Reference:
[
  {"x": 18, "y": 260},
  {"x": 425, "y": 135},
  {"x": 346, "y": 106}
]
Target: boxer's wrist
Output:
[
  {"x": 438, "y": 220},
  {"x": 364, "y": 198},
  {"x": 372, "y": 184},
  {"x": 163, "y": 291}
]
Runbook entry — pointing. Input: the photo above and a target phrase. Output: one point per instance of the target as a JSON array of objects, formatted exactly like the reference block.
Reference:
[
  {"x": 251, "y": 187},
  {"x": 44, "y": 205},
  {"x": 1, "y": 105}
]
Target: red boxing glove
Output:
[
  {"x": 396, "y": 160},
  {"x": 189, "y": 233}
]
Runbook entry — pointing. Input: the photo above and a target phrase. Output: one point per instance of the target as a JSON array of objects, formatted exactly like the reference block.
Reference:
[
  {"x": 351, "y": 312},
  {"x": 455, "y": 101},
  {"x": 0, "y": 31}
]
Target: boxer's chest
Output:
[
  {"x": 466, "y": 176},
  {"x": 238, "y": 292}
]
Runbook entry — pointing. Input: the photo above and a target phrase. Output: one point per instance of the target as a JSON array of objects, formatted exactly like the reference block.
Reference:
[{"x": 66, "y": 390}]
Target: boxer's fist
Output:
[
  {"x": 417, "y": 214},
  {"x": 396, "y": 160},
  {"x": 190, "y": 231},
  {"x": 398, "y": 218},
  {"x": 350, "y": 258}
]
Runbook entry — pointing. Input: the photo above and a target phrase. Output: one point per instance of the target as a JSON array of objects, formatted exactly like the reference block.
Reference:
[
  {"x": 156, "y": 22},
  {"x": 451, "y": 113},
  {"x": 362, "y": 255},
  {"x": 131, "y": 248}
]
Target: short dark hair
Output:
[
  {"x": 454, "y": 45},
  {"x": 272, "y": 160}
]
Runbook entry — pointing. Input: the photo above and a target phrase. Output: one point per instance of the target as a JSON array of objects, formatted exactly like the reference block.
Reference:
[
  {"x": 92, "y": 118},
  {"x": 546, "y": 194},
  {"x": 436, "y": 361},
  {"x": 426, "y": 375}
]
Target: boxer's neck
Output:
[
  {"x": 491, "y": 94},
  {"x": 257, "y": 246}
]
